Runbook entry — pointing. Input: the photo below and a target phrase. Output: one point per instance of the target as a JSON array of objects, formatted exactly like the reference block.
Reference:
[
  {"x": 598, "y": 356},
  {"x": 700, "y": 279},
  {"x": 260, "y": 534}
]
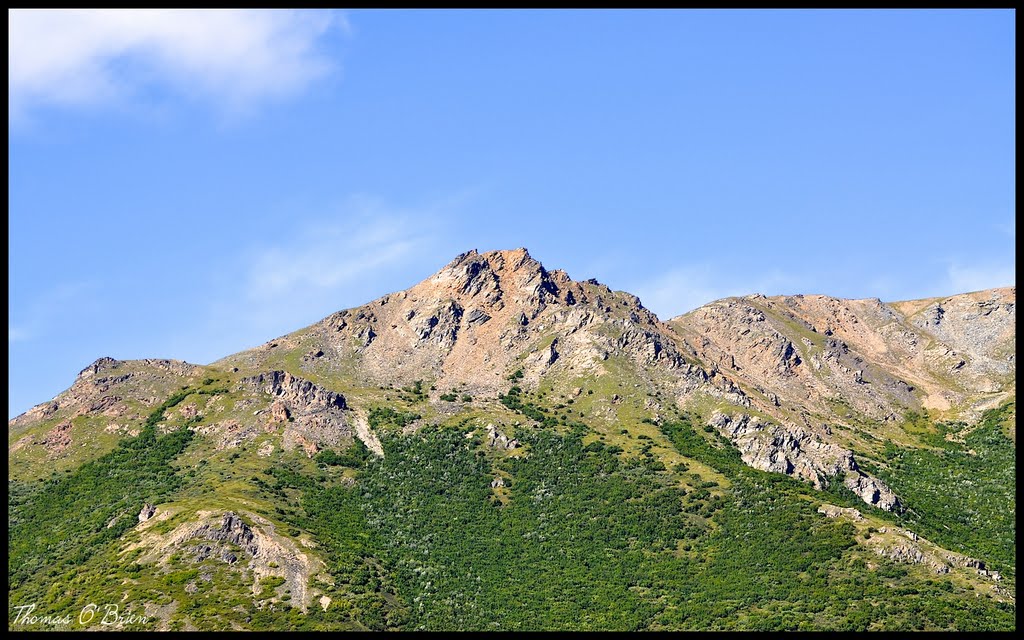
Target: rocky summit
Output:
[{"x": 503, "y": 447}]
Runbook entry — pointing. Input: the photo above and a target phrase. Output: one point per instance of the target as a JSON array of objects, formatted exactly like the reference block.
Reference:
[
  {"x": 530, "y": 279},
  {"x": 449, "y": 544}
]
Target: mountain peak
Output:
[
  {"x": 495, "y": 279},
  {"x": 761, "y": 371},
  {"x": 514, "y": 256},
  {"x": 477, "y": 320},
  {"x": 502, "y": 263}
]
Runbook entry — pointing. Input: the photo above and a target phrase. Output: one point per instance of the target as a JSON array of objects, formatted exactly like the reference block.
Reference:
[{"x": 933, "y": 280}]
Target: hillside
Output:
[{"x": 503, "y": 447}]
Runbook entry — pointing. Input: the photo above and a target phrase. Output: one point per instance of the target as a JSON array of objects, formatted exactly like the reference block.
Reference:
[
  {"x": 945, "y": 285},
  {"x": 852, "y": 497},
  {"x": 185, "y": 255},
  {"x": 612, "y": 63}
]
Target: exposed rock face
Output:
[
  {"x": 802, "y": 353},
  {"x": 467, "y": 326},
  {"x": 58, "y": 439},
  {"x": 294, "y": 390},
  {"x": 906, "y": 546},
  {"x": 314, "y": 417},
  {"x": 907, "y": 552},
  {"x": 232, "y": 433},
  {"x": 796, "y": 361},
  {"x": 147, "y": 512},
  {"x": 279, "y": 411},
  {"x": 831, "y": 511},
  {"x": 974, "y": 327},
  {"x": 871, "y": 490},
  {"x": 188, "y": 410},
  {"x": 366, "y": 435},
  {"x": 794, "y": 451},
  {"x": 440, "y": 327},
  {"x": 106, "y": 386},
  {"x": 499, "y": 440},
  {"x": 94, "y": 369},
  {"x": 232, "y": 529},
  {"x": 255, "y": 549},
  {"x": 36, "y": 414}
]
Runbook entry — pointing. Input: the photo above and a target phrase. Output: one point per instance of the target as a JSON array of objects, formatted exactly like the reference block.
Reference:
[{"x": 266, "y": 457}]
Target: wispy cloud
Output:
[
  {"x": 688, "y": 287},
  {"x": 964, "y": 279},
  {"x": 233, "y": 57},
  {"x": 364, "y": 249},
  {"x": 17, "y": 334},
  {"x": 334, "y": 253}
]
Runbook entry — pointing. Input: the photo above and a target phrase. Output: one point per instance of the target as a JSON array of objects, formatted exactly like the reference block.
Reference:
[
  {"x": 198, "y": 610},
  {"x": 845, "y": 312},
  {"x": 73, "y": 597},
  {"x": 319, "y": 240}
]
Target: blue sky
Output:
[{"x": 191, "y": 184}]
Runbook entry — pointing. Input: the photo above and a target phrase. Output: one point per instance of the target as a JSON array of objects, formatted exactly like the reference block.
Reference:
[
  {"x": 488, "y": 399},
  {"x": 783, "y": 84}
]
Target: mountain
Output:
[{"x": 503, "y": 447}]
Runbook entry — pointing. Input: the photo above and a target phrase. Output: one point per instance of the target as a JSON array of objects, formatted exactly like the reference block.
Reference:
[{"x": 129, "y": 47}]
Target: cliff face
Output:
[
  {"x": 801, "y": 453},
  {"x": 312, "y": 417}
]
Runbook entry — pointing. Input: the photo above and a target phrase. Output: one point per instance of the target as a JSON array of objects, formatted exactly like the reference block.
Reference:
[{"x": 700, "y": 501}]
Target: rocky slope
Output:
[
  {"x": 773, "y": 374},
  {"x": 807, "y": 386},
  {"x": 475, "y": 321},
  {"x": 820, "y": 362},
  {"x": 255, "y": 549}
]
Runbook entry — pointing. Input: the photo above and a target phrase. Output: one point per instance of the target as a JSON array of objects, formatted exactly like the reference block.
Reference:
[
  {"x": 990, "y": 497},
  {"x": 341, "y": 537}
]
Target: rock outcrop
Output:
[
  {"x": 312, "y": 417},
  {"x": 111, "y": 388},
  {"x": 902, "y": 545},
  {"x": 798, "y": 360},
  {"x": 832, "y": 511},
  {"x": 794, "y": 451},
  {"x": 296, "y": 391},
  {"x": 905, "y": 546},
  {"x": 58, "y": 439},
  {"x": 248, "y": 544},
  {"x": 498, "y": 440},
  {"x": 147, "y": 512},
  {"x": 366, "y": 434},
  {"x": 871, "y": 490}
]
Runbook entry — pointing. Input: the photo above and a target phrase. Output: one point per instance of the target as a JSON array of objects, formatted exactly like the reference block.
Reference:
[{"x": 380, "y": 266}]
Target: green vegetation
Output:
[
  {"x": 961, "y": 495},
  {"x": 64, "y": 521},
  {"x": 157, "y": 415},
  {"x": 382, "y": 417},
  {"x": 518, "y": 401},
  {"x": 592, "y": 540},
  {"x": 354, "y": 456},
  {"x": 584, "y": 535},
  {"x": 415, "y": 393}
]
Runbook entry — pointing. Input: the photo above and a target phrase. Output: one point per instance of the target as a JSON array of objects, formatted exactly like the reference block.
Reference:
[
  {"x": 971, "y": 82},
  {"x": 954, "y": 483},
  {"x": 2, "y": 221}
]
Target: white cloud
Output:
[
  {"x": 17, "y": 334},
  {"x": 331, "y": 255},
  {"x": 234, "y": 57},
  {"x": 686, "y": 288},
  {"x": 309, "y": 270},
  {"x": 965, "y": 279}
]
